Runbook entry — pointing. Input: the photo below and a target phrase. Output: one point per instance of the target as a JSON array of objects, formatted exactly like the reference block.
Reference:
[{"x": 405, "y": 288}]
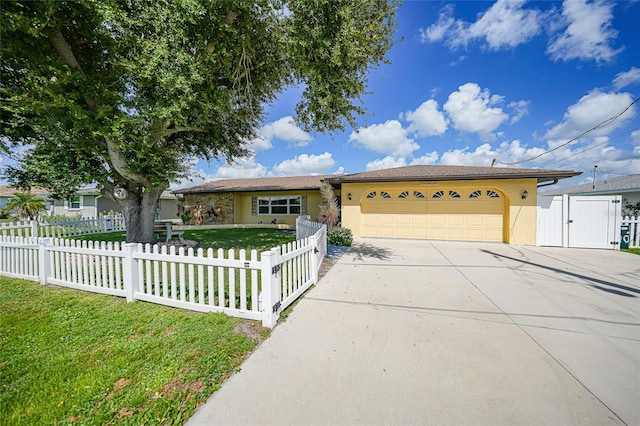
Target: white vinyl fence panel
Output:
[
  {"x": 634, "y": 230},
  {"x": 244, "y": 284},
  {"x": 61, "y": 228}
]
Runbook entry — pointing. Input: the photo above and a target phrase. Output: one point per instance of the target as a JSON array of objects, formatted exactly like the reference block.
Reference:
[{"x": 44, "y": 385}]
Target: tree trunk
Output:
[{"x": 139, "y": 211}]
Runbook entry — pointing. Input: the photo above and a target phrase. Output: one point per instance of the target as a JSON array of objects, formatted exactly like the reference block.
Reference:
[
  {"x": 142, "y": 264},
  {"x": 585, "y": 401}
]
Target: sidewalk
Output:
[{"x": 420, "y": 332}]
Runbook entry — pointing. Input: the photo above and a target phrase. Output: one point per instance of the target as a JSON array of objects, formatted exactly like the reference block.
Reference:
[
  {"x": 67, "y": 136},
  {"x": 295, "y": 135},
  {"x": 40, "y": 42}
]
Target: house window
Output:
[
  {"x": 454, "y": 194},
  {"x": 75, "y": 202},
  {"x": 371, "y": 195},
  {"x": 418, "y": 194},
  {"x": 384, "y": 194},
  {"x": 492, "y": 194},
  {"x": 404, "y": 194},
  {"x": 475, "y": 194},
  {"x": 438, "y": 194},
  {"x": 287, "y": 205}
]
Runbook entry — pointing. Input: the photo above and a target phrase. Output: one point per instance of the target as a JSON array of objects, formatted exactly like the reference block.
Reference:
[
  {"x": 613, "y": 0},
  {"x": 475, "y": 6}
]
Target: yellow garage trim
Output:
[{"x": 439, "y": 213}]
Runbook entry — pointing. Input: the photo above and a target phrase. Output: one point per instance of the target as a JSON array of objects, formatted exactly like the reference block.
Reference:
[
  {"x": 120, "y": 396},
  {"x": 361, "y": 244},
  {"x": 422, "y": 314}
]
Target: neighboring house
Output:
[
  {"x": 7, "y": 192},
  {"x": 90, "y": 202},
  {"x": 626, "y": 186},
  {"x": 423, "y": 202},
  {"x": 246, "y": 201}
]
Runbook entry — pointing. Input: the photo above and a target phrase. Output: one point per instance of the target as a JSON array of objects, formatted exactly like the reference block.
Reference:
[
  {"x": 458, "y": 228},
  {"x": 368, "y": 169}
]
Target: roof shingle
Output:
[
  {"x": 622, "y": 184},
  {"x": 257, "y": 184}
]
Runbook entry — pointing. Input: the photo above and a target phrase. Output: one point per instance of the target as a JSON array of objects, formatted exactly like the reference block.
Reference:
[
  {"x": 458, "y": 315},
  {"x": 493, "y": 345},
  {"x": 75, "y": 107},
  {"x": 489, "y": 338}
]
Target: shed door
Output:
[{"x": 474, "y": 214}]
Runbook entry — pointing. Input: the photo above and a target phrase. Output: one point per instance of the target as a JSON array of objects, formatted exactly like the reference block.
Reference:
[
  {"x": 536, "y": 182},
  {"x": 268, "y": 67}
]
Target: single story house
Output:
[
  {"x": 250, "y": 201},
  {"x": 6, "y": 192},
  {"x": 424, "y": 202},
  {"x": 90, "y": 202},
  {"x": 626, "y": 186}
]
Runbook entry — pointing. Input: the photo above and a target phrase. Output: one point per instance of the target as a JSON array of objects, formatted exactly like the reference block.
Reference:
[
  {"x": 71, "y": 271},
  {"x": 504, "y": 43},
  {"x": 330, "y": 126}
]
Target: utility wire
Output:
[
  {"x": 591, "y": 147},
  {"x": 598, "y": 126}
]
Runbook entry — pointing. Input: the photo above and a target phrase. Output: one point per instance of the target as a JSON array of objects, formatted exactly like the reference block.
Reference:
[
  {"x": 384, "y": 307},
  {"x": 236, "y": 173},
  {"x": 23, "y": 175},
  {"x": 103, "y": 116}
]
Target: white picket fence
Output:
[
  {"x": 634, "y": 230},
  {"x": 246, "y": 285},
  {"x": 61, "y": 228}
]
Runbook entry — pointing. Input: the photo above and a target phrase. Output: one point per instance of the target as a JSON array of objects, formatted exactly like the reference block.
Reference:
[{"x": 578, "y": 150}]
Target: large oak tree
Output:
[{"x": 124, "y": 93}]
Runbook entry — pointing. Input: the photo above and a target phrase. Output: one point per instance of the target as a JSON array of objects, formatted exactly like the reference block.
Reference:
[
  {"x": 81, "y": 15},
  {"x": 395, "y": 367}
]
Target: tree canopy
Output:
[{"x": 124, "y": 93}]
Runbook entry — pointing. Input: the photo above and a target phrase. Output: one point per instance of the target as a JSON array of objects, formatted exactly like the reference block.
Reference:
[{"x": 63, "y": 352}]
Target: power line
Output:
[
  {"x": 592, "y": 147},
  {"x": 598, "y": 126}
]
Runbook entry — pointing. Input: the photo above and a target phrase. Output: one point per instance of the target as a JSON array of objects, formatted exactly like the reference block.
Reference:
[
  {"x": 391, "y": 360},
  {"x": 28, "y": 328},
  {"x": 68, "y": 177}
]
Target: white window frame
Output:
[
  {"x": 269, "y": 207},
  {"x": 69, "y": 203}
]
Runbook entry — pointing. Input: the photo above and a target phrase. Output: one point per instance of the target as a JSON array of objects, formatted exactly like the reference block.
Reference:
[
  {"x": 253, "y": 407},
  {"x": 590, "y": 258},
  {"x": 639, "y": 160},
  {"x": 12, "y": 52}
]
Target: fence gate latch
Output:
[
  {"x": 275, "y": 270},
  {"x": 315, "y": 250},
  {"x": 276, "y": 307},
  {"x": 615, "y": 201},
  {"x": 615, "y": 243}
]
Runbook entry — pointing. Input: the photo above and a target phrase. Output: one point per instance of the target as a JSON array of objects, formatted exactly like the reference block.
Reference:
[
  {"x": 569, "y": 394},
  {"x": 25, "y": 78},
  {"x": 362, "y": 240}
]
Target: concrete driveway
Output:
[{"x": 434, "y": 332}]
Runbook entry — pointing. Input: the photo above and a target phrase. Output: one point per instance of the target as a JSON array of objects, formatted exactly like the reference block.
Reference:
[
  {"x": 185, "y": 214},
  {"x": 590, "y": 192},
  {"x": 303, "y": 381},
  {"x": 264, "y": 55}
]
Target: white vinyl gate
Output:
[{"x": 579, "y": 221}]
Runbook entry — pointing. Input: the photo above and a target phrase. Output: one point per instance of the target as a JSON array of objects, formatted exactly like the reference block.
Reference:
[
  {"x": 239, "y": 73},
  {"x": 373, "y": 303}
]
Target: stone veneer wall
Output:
[{"x": 207, "y": 209}]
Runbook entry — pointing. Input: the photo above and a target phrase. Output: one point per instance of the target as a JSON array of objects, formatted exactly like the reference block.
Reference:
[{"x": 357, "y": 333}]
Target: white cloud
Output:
[
  {"x": 259, "y": 144},
  {"x": 386, "y": 163},
  {"x": 521, "y": 110},
  {"x": 427, "y": 159},
  {"x": 241, "y": 168},
  {"x": 304, "y": 164},
  {"x": 427, "y": 119},
  {"x": 590, "y": 110},
  {"x": 473, "y": 110},
  {"x": 628, "y": 78},
  {"x": 387, "y": 138},
  {"x": 588, "y": 35},
  {"x": 437, "y": 31},
  {"x": 506, "y": 24},
  {"x": 285, "y": 129}
]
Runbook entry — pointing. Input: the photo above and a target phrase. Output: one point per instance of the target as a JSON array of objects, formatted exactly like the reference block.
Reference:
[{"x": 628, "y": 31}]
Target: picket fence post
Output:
[
  {"x": 313, "y": 241},
  {"x": 34, "y": 228},
  {"x": 270, "y": 273},
  {"x": 44, "y": 259},
  {"x": 130, "y": 267}
]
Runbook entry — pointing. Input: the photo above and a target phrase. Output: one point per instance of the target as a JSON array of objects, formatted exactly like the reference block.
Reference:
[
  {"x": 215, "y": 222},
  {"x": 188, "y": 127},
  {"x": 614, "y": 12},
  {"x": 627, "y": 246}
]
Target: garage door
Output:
[{"x": 474, "y": 214}]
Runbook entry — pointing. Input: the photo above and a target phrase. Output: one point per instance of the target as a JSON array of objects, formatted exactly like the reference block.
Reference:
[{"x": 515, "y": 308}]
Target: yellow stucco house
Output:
[{"x": 423, "y": 202}]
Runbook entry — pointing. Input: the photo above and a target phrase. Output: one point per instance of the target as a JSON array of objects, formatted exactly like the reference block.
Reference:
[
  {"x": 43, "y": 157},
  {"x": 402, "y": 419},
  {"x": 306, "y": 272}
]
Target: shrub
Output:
[{"x": 340, "y": 236}]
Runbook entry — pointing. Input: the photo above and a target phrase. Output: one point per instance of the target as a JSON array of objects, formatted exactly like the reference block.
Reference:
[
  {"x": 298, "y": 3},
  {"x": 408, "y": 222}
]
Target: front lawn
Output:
[
  {"x": 68, "y": 356},
  {"x": 632, "y": 250},
  {"x": 231, "y": 238}
]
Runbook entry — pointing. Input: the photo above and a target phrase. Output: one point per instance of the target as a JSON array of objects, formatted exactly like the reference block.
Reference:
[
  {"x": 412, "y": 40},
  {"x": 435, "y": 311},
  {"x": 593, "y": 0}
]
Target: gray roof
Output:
[
  {"x": 257, "y": 184},
  {"x": 616, "y": 185},
  {"x": 440, "y": 172}
]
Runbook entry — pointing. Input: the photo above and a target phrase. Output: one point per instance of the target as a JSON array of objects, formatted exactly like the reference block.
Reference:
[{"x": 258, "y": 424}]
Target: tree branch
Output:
[
  {"x": 63, "y": 48},
  {"x": 120, "y": 165}
]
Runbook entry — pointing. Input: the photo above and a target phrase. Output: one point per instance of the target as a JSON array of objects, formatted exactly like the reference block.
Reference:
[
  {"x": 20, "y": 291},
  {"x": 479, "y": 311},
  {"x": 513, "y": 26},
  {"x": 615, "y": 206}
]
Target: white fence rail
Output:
[
  {"x": 242, "y": 284},
  {"x": 60, "y": 228},
  {"x": 634, "y": 230}
]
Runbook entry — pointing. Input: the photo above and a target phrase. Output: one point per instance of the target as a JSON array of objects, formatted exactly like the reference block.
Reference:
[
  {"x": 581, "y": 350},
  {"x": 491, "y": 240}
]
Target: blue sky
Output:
[{"x": 474, "y": 81}]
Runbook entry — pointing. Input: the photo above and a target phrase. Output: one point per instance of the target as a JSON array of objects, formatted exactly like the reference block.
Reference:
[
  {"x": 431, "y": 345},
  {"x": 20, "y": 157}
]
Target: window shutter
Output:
[{"x": 254, "y": 206}]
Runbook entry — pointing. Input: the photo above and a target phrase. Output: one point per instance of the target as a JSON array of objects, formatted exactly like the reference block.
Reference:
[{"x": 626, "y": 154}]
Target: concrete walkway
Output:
[{"x": 432, "y": 332}]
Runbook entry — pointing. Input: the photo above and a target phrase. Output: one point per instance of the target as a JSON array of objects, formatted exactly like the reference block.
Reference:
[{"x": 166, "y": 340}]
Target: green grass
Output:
[
  {"x": 74, "y": 357},
  {"x": 234, "y": 238},
  {"x": 631, "y": 250}
]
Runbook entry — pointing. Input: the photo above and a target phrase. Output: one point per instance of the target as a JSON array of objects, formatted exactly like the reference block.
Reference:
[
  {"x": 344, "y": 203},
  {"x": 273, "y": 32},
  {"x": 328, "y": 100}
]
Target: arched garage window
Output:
[{"x": 492, "y": 194}]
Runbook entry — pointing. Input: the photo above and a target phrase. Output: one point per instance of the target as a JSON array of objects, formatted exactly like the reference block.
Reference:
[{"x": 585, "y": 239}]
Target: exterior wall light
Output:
[
  {"x": 349, "y": 196},
  {"x": 525, "y": 194}
]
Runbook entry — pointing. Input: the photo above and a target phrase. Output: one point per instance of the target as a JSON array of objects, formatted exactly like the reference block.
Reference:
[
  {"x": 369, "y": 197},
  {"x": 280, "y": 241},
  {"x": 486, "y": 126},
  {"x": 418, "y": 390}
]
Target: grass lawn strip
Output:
[
  {"x": 69, "y": 357},
  {"x": 235, "y": 238}
]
